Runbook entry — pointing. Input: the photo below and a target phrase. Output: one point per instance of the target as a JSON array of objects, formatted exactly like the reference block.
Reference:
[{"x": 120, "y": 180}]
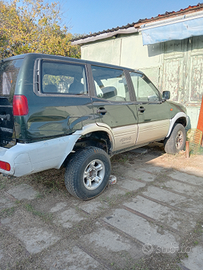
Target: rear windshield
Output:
[{"x": 8, "y": 75}]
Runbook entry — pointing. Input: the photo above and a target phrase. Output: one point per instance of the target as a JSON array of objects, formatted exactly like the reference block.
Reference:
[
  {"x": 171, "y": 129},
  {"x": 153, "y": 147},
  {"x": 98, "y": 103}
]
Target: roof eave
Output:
[{"x": 125, "y": 31}]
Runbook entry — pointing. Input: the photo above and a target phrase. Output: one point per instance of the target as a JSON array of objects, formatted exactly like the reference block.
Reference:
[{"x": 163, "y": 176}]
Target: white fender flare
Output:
[{"x": 174, "y": 119}]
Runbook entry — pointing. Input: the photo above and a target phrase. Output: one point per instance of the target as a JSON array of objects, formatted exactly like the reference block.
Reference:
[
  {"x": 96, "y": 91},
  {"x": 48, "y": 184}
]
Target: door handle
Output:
[
  {"x": 141, "y": 109},
  {"x": 102, "y": 111}
]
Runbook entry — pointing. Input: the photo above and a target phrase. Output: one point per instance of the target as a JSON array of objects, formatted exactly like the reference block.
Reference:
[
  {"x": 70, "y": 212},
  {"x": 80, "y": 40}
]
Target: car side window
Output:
[
  {"x": 144, "y": 89},
  {"x": 110, "y": 84},
  {"x": 63, "y": 78}
]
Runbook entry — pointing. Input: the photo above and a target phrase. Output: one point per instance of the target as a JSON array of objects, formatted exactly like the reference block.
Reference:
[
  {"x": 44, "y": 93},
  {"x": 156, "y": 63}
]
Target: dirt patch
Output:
[{"x": 193, "y": 164}]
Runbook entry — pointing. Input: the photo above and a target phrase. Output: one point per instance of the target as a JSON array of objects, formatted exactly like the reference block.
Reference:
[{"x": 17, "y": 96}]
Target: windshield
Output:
[{"x": 8, "y": 76}]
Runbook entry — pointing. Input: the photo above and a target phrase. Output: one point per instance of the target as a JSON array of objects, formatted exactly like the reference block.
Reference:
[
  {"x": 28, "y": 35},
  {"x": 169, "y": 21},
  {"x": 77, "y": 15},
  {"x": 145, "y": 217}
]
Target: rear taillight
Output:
[
  {"x": 20, "y": 105},
  {"x": 5, "y": 166}
]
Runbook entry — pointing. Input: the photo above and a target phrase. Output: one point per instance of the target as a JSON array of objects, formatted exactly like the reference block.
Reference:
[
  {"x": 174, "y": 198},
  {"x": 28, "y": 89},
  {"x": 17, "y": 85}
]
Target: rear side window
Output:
[
  {"x": 8, "y": 75},
  {"x": 63, "y": 78},
  {"x": 110, "y": 84}
]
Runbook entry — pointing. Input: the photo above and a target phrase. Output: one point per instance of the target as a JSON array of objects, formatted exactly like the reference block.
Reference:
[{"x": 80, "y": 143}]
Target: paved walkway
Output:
[{"x": 150, "y": 219}]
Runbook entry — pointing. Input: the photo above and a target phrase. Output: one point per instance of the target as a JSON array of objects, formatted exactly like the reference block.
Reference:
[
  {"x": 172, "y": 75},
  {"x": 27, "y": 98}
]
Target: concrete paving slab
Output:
[
  {"x": 191, "y": 170},
  {"x": 140, "y": 174},
  {"x": 112, "y": 241},
  {"x": 191, "y": 179},
  {"x": 55, "y": 203},
  {"x": 74, "y": 259},
  {"x": 93, "y": 207},
  {"x": 112, "y": 247},
  {"x": 58, "y": 207},
  {"x": 23, "y": 191},
  {"x": 5, "y": 202},
  {"x": 164, "y": 195},
  {"x": 31, "y": 231},
  {"x": 36, "y": 239},
  {"x": 195, "y": 259},
  {"x": 184, "y": 188},
  {"x": 1, "y": 254},
  {"x": 153, "y": 169},
  {"x": 114, "y": 190},
  {"x": 131, "y": 185},
  {"x": 179, "y": 201},
  {"x": 173, "y": 218},
  {"x": 67, "y": 218},
  {"x": 141, "y": 229}
]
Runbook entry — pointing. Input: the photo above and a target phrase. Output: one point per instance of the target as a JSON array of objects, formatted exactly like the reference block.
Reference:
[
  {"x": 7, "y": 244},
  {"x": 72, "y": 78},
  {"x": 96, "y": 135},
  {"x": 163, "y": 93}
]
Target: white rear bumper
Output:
[{"x": 34, "y": 157}]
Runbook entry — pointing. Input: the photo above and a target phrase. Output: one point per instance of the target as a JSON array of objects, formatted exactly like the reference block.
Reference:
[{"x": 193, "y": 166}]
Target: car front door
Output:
[
  {"x": 113, "y": 107},
  {"x": 153, "y": 112}
]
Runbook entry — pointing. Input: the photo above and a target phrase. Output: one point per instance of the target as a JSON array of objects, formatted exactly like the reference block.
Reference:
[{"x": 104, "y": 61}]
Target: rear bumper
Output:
[{"x": 35, "y": 157}]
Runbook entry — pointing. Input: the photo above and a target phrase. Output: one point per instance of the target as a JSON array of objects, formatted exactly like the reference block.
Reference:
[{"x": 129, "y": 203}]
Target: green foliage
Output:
[{"x": 32, "y": 26}]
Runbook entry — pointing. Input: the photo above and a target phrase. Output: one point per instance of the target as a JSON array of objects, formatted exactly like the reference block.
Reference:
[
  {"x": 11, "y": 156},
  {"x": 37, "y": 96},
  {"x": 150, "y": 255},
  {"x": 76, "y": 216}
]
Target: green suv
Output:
[{"x": 58, "y": 111}]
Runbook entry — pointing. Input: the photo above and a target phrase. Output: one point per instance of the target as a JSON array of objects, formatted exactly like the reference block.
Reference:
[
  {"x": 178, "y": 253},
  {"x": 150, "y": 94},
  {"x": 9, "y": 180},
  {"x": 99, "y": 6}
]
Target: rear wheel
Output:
[
  {"x": 87, "y": 173},
  {"x": 176, "y": 141}
]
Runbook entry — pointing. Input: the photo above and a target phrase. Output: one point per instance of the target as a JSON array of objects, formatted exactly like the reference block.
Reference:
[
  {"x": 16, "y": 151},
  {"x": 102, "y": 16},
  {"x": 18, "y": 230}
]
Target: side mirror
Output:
[{"x": 166, "y": 95}]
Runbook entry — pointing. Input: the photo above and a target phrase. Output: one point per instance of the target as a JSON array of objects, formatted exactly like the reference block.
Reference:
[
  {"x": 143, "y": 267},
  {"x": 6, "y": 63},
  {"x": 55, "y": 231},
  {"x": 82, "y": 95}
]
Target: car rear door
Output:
[{"x": 113, "y": 106}]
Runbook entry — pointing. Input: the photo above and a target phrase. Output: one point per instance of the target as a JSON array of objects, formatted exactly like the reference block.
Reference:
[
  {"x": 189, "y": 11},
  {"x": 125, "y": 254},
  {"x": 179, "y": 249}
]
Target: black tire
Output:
[
  {"x": 87, "y": 173},
  {"x": 176, "y": 141}
]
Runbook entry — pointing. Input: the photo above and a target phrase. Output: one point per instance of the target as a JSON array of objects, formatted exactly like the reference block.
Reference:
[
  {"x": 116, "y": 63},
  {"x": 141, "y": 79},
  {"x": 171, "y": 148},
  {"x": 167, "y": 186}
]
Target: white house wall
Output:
[
  {"x": 125, "y": 51},
  {"x": 107, "y": 51}
]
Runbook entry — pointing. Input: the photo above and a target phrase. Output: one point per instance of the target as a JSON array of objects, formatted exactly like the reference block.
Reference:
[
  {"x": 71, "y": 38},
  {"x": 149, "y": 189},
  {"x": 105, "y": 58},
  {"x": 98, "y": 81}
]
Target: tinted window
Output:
[
  {"x": 63, "y": 78},
  {"x": 110, "y": 84},
  {"x": 144, "y": 89},
  {"x": 8, "y": 75}
]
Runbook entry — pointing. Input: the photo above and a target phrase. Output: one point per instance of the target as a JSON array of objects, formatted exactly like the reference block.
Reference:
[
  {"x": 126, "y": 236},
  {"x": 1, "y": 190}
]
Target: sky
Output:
[{"x": 90, "y": 16}]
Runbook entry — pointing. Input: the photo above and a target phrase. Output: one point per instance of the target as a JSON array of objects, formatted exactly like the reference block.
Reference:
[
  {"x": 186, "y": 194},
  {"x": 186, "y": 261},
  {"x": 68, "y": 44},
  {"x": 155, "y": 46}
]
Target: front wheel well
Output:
[{"x": 182, "y": 121}]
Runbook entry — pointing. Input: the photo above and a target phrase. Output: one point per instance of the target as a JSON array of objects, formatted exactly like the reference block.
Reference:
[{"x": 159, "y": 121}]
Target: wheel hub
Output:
[
  {"x": 94, "y": 174},
  {"x": 179, "y": 139}
]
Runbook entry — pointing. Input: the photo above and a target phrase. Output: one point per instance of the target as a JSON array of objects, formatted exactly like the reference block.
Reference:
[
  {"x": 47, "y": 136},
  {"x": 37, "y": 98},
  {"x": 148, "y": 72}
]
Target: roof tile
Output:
[{"x": 141, "y": 21}]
